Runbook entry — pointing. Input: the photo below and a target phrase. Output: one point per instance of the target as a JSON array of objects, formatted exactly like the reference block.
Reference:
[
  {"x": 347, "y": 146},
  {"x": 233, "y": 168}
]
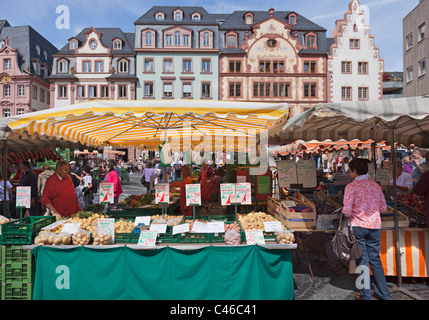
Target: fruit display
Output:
[
  {"x": 412, "y": 200},
  {"x": 81, "y": 238},
  {"x": 87, "y": 222},
  {"x": 101, "y": 238},
  {"x": 136, "y": 201},
  {"x": 324, "y": 207},
  {"x": 284, "y": 237},
  {"x": 170, "y": 220},
  {"x": 175, "y": 188},
  {"x": 232, "y": 226},
  {"x": 49, "y": 238},
  {"x": 124, "y": 226},
  {"x": 255, "y": 220},
  {"x": 232, "y": 237},
  {"x": 3, "y": 220}
]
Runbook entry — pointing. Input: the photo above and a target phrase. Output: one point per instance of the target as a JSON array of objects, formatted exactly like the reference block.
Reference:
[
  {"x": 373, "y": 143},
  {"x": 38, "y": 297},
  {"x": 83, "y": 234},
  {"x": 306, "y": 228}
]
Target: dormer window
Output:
[
  {"x": 117, "y": 44},
  {"x": 148, "y": 38},
  {"x": 248, "y": 18},
  {"x": 292, "y": 19},
  {"x": 231, "y": 40},
  {"x": 311, "y": 41},
  {"x": 62, "y": 66},
  {"x": 178, "y": 15},
  {"x": 196, "y": 17},
  {"x": 159, "y": 17},
  {"x": 73, "y": 44},
  {"x": 206, "y": 38},
  {"x": 38, "y": 49}
]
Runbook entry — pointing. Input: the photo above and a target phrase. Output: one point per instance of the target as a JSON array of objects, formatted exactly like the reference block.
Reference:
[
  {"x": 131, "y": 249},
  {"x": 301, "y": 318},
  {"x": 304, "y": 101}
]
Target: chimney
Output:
[{"x": 271, "y": 11}]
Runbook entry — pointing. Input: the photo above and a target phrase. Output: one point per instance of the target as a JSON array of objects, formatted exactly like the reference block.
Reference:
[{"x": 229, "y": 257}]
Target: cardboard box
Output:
[{"x": 297, "y": 221}]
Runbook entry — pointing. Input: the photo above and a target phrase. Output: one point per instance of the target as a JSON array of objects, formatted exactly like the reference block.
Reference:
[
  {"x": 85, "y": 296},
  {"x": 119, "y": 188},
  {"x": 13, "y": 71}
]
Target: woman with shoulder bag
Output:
[{"x": 363, "y": 203}]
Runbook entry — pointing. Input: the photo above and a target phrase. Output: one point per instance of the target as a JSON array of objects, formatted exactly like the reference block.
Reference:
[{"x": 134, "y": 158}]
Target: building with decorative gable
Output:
[
  {"x": 273, "y": 56},
  {"x": 25, "y": 64},
  {"x": 355, "y": 68},
  {"x": 177, "y": 53},
  {"x": 96, "y": 64}
]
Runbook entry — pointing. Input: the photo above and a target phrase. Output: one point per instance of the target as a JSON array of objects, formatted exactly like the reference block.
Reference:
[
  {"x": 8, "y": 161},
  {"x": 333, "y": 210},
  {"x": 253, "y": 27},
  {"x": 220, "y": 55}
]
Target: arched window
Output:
[
  {"x": 206, "y": 39},
  {"x": 231, "y": 41},
  {"x": 159, "y": 17},
  {"x": 178, "y": 16},
  {"x": 195, "y": 18},
  {"x": 148, "y": 39},
  {"x": 177, "y": 38}
]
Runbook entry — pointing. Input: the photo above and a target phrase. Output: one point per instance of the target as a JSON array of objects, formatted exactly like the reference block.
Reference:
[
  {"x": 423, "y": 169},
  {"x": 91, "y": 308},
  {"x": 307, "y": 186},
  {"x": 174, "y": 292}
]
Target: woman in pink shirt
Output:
[
  {"x": 112, "y": 177},
  {"x": 363, "y": 203}
]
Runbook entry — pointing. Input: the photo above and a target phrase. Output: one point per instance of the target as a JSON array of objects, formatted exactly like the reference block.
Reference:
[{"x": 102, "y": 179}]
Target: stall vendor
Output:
[
  {"x": 206, "y": 180},
  {"x": 186, "y": 179},
  {"x": 59, "y": 195}
]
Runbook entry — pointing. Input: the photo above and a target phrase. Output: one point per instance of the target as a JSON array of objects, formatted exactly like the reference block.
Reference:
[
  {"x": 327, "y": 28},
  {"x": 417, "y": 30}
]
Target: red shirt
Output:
[{"x": 61, "y": 194}]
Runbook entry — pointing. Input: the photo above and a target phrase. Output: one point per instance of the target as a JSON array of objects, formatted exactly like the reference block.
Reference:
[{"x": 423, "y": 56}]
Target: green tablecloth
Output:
[{"x": 118, "y": 273}]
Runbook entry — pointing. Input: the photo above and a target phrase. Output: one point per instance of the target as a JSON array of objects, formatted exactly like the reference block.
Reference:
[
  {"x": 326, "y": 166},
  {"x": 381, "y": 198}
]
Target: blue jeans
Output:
[{"x": 369, "y": 242}]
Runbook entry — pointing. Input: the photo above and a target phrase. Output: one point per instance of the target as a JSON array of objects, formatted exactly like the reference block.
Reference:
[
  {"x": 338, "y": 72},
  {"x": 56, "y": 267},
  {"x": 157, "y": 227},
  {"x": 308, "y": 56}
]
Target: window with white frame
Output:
[
  {"x": 63, "y": 66},
  {"x": 6, "y": 90},
  {"x": 177, "y": 37},
  {"x": 186, "y": 40},
  {"x": 346, "y": 67},
  {"x": 187, "y": 90},
  {"x": 195, "y": 18},
  {"x": 346, "y": 93},
  {"x": 422, "y": 67},
  {"x": 6, "y": 112},
  {"x": 187, "y": 65},
  {"x": 362, "y": 93},
  {"x": 148, "y": 89},
  {"x": 92, "y": 91},
  {"x": 354, "y": 44},
  {"x": 34, "y": 92},
  {"x": 206, "y": 39},
  {"x": 421, "y": 31},
  {"x": 73, "y": 44},
  {"x": 409, "y": 41},
  {"x": 148, "y": 65},
  {"x": 363, "y": 67},
  {"x": 7, "y": 64},
  {"x": 104, "y": 91},
  {"x": 93, "y": 44},
  {"x": 80, "y": 93},
  {"x": 87, "y": 66},
  {"x": 159, "y": 17},
  {"x": 168, "y": 89},
  {"x": 123, "y": 66},
  {"x": 21, "y": 90},
  {"x": 122, "y": 91},
  {"x": 206, "y": 65},
  {"x": 178, "y": 16},
  {"x": 98, "y": 66},
  {"x": 20, "y": 111},
  {"x": 148, "y": 38},
  {"x": 206, "y": 91},
  {"x": 168, "y": 65},
  {"x": 117, "y": 44},
  {"x": 168, "y": 40},
  {"x": 409, "y": 74},
  {"x": 62, "y": 92}
]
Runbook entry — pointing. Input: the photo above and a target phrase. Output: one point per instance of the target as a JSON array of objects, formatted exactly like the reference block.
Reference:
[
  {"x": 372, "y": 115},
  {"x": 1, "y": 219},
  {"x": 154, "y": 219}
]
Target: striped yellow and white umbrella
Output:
[{"x": 149, "y": 123}]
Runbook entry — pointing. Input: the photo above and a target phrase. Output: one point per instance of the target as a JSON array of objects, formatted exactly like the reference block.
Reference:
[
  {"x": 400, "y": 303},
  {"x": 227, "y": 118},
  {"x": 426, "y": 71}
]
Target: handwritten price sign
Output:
[
  {"x": 147, "y": 238},
  {"x": 255, "y": 237},
  {"x": 193, "y": 195},
  {"x": 23, "y": 197},
  {"x": 162, "y": 193}
]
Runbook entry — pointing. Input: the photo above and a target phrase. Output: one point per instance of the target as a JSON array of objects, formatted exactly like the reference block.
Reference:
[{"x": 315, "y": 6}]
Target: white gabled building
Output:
[{"x": 355, "y": 69}]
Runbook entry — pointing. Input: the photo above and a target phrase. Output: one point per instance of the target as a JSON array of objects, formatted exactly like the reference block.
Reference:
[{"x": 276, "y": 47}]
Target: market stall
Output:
[
  {"x": 214, "y": 239},
  {"x": 403, "y": 120}
]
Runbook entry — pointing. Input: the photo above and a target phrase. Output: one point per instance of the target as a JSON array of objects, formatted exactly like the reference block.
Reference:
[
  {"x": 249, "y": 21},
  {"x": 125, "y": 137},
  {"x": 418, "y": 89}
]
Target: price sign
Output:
[
  {"x": 71, "y": 228},
  {"x": 382, "y": 176},
  {"x": 23, "y": 197},
  {"x": 181, "y": 228},
  {"x": 147, "y": 238},
  {"x": 106, "y": 193},
  {"x": 108, "y": 225},
  {"x": 227, "y": 194},
  {"x": 286, "y": 172},
  {"x": 142, "y": 219},
  {"x": 162, "y": 193},
  {"x": 199, "y": 227},
  {"x": 307, "y": 173},
  {"x": 193, "y": 195},
  {"x": 159, "y": 228},
  {"x": 216, "y": 227},
  {"x": 255, "y": 237},
  {"x": 243, "y": 193},
  {"x": 272, "y": 226}
]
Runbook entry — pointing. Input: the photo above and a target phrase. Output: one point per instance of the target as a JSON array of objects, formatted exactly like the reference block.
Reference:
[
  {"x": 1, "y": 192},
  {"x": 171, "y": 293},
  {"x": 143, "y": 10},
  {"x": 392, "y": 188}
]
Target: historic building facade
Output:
[
  {"x": 273, "y": 56},
  {"x": 96, "y": 64},
  {"x": 355, "y": 68},
  {"x": 25, "y": 64},
  {"x": 177, "y": 54}
]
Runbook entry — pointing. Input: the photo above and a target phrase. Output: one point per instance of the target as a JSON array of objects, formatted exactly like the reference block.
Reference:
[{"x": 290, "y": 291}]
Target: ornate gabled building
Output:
[
  {"x": 273, "y": 56},
  {"x": 96, "y": 64},
  {"x": 177, "y": 53},
  {"x": 25, "y": 64},
  {"x": 355, "y": 68}
]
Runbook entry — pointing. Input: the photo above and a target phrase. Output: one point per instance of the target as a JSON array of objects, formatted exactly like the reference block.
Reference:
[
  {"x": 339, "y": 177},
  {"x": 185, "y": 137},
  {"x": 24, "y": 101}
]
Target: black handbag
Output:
[{"x": 344, "y": 243}]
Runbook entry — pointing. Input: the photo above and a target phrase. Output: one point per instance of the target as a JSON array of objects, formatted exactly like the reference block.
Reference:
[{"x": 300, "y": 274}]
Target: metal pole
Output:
[{"x": 395, "y": 208}]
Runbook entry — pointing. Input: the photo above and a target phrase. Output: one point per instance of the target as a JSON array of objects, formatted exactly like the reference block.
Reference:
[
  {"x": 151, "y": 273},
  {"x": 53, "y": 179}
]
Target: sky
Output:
[{"x": 385, "y": 17}]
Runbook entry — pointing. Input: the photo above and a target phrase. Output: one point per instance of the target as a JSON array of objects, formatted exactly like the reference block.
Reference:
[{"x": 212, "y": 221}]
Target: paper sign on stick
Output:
[
  {"x": 23, "y": 197},
  {"x": 147, "y": 238},
  {"x": 243, "y": 193},
  {"x": 162, "y": 193},
  {"x": 255, "y": 237},
  {"x": 106, "y": 193},
  {"x": 193, "y": 194},
  {"x": 227, "y": 194},
  {"x": 108, "y": 225}
]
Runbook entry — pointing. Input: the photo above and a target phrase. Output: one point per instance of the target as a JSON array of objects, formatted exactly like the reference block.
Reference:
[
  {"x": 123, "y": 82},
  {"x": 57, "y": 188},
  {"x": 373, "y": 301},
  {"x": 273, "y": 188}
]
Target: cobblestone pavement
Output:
[{"x": 331, "y": 279}]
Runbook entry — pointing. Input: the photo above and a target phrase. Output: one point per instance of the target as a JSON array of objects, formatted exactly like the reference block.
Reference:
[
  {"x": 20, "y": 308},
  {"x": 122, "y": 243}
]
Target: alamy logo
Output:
[
  {"x": 63, "y": 280},
  {"x": 63, "y": 20}
]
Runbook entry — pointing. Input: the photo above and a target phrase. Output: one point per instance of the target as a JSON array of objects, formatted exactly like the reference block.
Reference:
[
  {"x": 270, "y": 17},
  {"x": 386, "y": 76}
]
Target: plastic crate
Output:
[
  {"x": 12, "y": 254},
  {"x": 16, "y": 291},
  {"x": 195, "y": 238},
  {"x": 24, "y": 231},
  {"x": 17, "y": 272}
]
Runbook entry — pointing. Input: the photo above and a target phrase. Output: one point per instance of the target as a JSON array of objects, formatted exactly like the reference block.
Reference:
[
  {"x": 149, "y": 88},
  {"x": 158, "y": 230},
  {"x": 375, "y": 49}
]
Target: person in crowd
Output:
[
  {"x": 363, "y": 202},
  {"x": 422, "y": 189},
  {"x": 118, "y": 170},
  {"x": 404, "y": 181},
  {"x": 206, "y": 181},
  {"x": 41, "y": 181},
  {"x": 87, "y": 185},
  {"x": 112, "y": 177},
  {"x": 74, "y": 169},
  {"x": 186, "y": 179},
  {"x": 417, "y": 164},
  {"x": 407, "y": 165},
  {"x": 148, "y": 173},
  {"x": 5, "y": 196},
  {"x": 29, "y": 179},
  {"x": 59, "y": 196}
]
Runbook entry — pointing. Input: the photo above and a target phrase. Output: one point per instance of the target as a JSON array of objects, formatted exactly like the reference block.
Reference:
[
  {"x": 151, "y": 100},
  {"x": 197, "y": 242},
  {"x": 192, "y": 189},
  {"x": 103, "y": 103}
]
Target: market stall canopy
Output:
[
  {"x": 150, "y": 123},
  {"x": 408, "y": 117}
]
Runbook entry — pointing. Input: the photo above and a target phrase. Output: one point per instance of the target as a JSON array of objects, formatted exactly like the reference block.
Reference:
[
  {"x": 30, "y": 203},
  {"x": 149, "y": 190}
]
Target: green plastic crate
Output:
[
  {"x": 16, "y": 291},
  {"x": 1, "y": 253},
  {"x": 24, "y": 231},
  {"x": 195, "y": 238},
  {"x": 12, "y": 253},
  {"x": 17, "y": 272}
]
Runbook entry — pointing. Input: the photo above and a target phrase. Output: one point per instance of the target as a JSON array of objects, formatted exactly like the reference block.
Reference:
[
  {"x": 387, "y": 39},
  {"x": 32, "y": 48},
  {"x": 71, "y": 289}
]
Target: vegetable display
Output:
[{"x": 255, "y": 220}]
